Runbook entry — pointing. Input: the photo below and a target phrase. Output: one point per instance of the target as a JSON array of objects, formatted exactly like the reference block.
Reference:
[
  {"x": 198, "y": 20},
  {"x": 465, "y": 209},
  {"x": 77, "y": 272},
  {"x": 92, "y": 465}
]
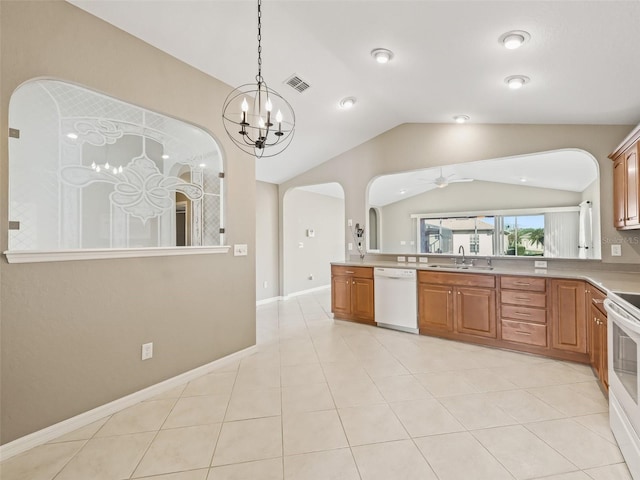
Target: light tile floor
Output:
[{"x": 321, "y": 399}]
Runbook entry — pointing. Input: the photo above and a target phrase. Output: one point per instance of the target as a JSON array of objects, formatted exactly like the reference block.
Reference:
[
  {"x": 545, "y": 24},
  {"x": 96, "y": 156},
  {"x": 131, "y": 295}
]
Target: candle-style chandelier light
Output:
[{"x": 249, "y": 118}]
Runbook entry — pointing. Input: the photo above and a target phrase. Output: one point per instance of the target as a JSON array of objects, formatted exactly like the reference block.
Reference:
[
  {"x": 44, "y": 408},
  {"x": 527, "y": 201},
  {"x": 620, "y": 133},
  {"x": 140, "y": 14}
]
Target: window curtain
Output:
[
  {"x": 585, "y": 233},
  {"x": 561, "y": 234}
]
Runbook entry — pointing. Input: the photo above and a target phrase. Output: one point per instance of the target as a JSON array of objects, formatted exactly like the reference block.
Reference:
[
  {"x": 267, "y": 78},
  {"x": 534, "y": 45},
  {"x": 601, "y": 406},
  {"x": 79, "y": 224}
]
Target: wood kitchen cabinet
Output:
[
  {"x": 568, "y": 312},
  {"x": 597, "y": 334},
  {"x": 626, "y": 183},
  {"x": 455, "y": 305},
  {"x": 352, "y": 293},
  {"x": 523, "y": 310},
  {"x": 435, "y": 307}
]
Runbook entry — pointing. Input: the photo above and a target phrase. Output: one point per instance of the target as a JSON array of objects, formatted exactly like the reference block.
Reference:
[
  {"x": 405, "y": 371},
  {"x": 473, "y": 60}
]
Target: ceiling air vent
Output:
[{"x": 295, "y": 82}]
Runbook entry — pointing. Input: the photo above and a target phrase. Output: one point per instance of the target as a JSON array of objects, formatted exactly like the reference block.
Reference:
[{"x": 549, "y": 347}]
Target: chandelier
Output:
[{"x": 249, "y": 118}]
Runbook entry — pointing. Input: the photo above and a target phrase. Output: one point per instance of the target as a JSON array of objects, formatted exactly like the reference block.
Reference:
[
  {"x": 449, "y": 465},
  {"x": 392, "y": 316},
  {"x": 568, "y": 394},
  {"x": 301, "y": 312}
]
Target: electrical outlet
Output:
[
  {"x": 540, "y": 264},
  {"x": 300, "y": 244},
  {"x": 402, "y": 242},
  {"x": 401, "y": 259},
  {"x": 147, "y": 351},
  {"x": 423, "y": 259},
  {"x": 311, "y": 276},
  {"x": 240, "y": 250},
  {"x": 616, "y": 250},
  {"x": 411, "y": 259},
  {"x": 264, "y": 284}
]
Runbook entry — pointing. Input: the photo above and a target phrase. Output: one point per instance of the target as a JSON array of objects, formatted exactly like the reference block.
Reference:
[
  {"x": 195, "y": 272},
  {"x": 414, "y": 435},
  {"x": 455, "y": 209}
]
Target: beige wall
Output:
[
  {"x": 305, "y": 210},
  {"x": 414, "y": 146},
  {"x": 267, "y": 234},
  {"x": 397, "y": 225},
  {"x": 71, "y": 332}
]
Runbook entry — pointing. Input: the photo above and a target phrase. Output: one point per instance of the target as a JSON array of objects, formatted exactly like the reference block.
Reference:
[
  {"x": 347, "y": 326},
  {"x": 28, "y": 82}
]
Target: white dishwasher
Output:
[{"x": 395, "y": 298}]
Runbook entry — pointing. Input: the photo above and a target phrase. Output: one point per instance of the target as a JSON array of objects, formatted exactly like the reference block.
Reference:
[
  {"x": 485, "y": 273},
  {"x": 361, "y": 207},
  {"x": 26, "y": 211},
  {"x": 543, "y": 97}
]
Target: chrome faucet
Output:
[{"x": 462, "y": 248}]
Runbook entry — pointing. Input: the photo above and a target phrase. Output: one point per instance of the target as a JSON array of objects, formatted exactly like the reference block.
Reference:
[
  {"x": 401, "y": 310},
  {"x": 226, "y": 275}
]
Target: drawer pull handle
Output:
[
  {"x": 596, "y": 301},
  {"x": 523, "y": 314},
  {"x": 522, "y": 332},
  {"x": 523, "y": 284},
  {"x": 524, "y": 299},
  {"x": 349, "y": 271}
]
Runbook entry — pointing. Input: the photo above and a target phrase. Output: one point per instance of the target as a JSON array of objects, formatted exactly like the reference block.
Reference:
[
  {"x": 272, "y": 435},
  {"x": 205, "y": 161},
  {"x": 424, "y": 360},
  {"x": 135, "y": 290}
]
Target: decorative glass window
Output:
[{"x": 88, "y": 171}]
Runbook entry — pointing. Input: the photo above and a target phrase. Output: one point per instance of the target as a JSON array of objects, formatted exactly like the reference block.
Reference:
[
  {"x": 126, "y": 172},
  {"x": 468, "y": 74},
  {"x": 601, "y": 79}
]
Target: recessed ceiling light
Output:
[
  {"x": 347, "y": 103},
  {"x": 203, "y": 165},
  {"x": 165, "y": 156},
  {"x": 516, "y": 82},
  {"x": 382, "y": 55},
  {"x": 72, "y": 135},
  {"x": 523, "y": 180},
  {"x": 402, "y": 192},
  {"x": 514, "y": 39},
  {"x": 461, "y": 118}
]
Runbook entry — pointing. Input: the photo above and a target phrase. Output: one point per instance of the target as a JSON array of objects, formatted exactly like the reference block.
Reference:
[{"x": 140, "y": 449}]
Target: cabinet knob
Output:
[
  {"x": 458, "y": 293},
  {"x": 449, "y": 292},
  {"x": 354, "y": 282}
]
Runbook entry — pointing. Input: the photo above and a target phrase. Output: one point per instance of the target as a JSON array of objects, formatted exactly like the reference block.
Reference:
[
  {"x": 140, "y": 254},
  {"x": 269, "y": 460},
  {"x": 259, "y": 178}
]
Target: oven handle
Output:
[{"x": 620, "y": 317}]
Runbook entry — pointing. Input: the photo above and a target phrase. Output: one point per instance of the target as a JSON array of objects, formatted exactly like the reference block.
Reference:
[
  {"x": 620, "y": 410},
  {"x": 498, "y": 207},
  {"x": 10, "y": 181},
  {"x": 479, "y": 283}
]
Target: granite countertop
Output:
[{"x": 607, "y": 280}]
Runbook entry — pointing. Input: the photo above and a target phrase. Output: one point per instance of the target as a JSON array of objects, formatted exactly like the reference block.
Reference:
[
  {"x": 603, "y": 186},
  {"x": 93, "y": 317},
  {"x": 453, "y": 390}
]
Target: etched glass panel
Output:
[{"x": 92, "y": 171}]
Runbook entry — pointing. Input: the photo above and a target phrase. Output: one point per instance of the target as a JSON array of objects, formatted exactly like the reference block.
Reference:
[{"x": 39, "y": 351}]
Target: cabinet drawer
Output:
[
  {"x": 522, "y": 332},
  {"x": 361, "y": 272},
  {"x": 530, "y": 284},
  {"x": 520, "y": 313},
  {"x": 524, "y": 298},
  {"x": 597, "y": 299},
  {"x": 460, "y": 279}
]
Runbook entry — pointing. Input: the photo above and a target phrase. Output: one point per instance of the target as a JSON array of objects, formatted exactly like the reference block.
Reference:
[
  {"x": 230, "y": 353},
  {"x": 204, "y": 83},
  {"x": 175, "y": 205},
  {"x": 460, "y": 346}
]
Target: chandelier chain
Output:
[{"x": 259, "y": 76}]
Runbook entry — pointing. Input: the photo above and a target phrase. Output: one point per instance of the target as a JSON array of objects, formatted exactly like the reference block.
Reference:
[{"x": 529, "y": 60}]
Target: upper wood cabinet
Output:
[{"x": 626, "y": 183}]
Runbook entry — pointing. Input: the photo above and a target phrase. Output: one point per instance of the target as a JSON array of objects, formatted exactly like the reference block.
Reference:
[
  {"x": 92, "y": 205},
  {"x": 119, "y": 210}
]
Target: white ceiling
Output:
[{"x": 582, "y": 61}]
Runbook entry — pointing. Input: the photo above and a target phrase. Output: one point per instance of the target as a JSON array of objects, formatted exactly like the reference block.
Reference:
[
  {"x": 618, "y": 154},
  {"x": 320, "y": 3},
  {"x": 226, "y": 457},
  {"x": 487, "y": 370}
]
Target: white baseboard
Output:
[
  {"x": 294, "y": 294},
  {"x": 303, "y": 292},
  {"x": 267, "y": 300},
  {"x": 47, "y": 434}
]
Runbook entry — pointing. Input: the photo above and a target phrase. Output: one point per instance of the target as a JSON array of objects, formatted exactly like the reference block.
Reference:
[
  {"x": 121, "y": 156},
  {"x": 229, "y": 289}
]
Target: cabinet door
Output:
[
  {"x": 619, "y": 192},
  {"x": 362, "y": 298},
  {"x": 435, "y": 306},
  {"x": 341, "y": 294},
  {"x": 631, "y": 164},
  {"x": 568, "y": 312},
  {"x": 475, "y": 311}
]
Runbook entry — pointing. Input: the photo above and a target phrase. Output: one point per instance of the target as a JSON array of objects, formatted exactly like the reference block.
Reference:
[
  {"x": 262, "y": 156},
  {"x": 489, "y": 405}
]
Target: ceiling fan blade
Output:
[{"x": 460, "y": 180}]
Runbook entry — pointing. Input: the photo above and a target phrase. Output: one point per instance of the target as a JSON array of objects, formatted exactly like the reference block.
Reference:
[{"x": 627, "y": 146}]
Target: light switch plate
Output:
[
  {"x": 616, "y": 250},
  {"x": 350, "y": 246},
  {"x": 411, "y": 259},
  {"x": 147, "y": 351},
  {"x": 240, "y": 250},
  {"x": 401, "y": 259},
  {"x": 423, "y": 259},
  {"x": 540, "y": 264}
]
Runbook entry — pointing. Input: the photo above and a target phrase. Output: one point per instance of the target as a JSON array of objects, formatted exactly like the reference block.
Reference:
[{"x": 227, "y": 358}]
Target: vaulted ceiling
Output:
[{"x": 582, "y": 59}]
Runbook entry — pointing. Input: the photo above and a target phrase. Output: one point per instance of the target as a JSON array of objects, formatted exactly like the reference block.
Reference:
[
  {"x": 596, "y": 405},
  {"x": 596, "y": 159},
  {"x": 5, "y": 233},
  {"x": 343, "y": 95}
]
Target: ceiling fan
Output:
[{"x": 443, "y": 181}]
